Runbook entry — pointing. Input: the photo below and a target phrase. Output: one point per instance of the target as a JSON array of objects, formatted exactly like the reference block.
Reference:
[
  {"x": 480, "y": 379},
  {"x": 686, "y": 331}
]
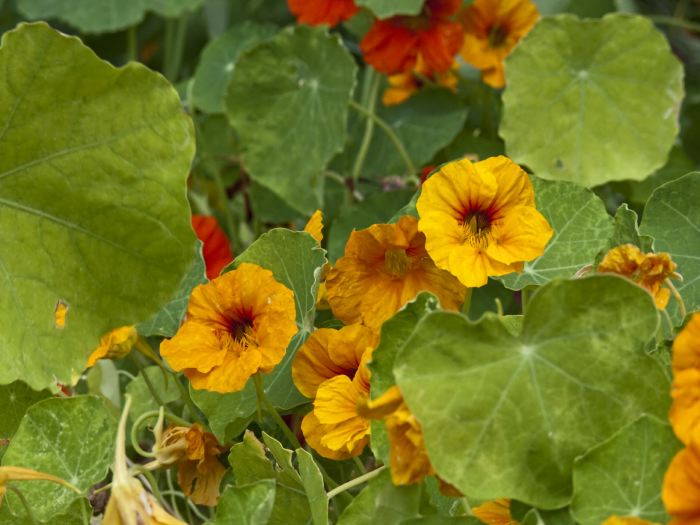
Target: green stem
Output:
[
  {"x": 149, "y": 383},
  {"x": 25, "y": 504},
  {"x": 132, "y": 44},
  {"x": 228, "y": 215},
  {"x": 369, "y": 125},
  {"x": 524, "y": 297},
  {"x": 139, "y": 423},
  {"x": 467, "y": 302},
  {"x": 673, "y": 21},
  {"x": 410, "y": 167},
  {"x": 175, "y": 33},
  {"x": 262, "y": 397},
  {"x": 360, "y": 466},
  {"x": 355, "y": 482},
  {"x": 185, "y": 394}
]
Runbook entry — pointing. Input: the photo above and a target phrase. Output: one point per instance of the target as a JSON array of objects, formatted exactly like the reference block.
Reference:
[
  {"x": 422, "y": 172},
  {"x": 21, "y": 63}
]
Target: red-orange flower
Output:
[
  {"x": 216, "y": 249},
  {"x": 394, "y": 45},
  {"x": 316, "y": 12}
]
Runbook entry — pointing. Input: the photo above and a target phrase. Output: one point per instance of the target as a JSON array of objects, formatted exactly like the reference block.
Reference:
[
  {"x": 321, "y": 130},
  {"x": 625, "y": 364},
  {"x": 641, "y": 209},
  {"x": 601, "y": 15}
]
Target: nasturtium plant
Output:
[{"x": 616, "y": 74}]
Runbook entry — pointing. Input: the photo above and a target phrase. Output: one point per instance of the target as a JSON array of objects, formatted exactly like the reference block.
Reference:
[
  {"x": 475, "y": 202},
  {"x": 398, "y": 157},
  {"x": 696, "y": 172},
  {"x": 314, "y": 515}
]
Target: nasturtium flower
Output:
[
  {"x": 651, "y": 271},
  {"x": 627, "y": 520},
  {"x": 495, "y": 512},
  {"x": 395, "y": 45},
  {"x": 403, "y": 85},
  {"x": 315, "y": 226},
  {"x": 492, "y": 28},
  {"x": 409, "y": 462},
  {"x": 129, "y": 502},
  {"x": 685, "y": 390},
  {"x": 331, "y": 368},
  {"x": 216, "y": 249},
  {"x": 237, "y": 325},
  {"x": 681, "y": 487},
  {"x": 316, "y": 12},
  {"x": 9, "y": 474},
  {"x": 114, "y": 345},
  {"x": 384, "y": 267},
  {"x": 480, "y": 220}
]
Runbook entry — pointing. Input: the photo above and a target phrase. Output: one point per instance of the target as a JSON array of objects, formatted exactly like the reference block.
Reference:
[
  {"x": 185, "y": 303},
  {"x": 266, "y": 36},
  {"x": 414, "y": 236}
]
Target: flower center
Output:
[
  {"x": 497, "y": 36},
  {"x": 241, "y": 328},
  {"x": 397, "y": 262},
  {"x": 475, "y": 228}
]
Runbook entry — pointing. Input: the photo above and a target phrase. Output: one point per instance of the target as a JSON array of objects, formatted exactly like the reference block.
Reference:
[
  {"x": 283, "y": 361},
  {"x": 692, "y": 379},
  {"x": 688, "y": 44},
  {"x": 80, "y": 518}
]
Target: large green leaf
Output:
[
  {"x": 672, "y": 218},
  {"x": 93, "y": 208},
  {"x": 101, "y": 16},
  {"x": 288, "y": 100},
  {"x": 592, "y": 100},
  {"x": 246, "y": 505},
  {"x": 623, "y": 476},
  {"x": 215, "y": 66},
  {"x": 387, "y": 8},
  {"x": 519, "y": 409},
  {"x": 295, "y": 259},
  {"x": 15, "y": 399},
  {"x": 77, "y": 513},
  {"x": 71, "y": 438},
  {"x": 581, "y": 226},
  {"x": 312, "y": 479},
  {"x": 141, "y": 395}
]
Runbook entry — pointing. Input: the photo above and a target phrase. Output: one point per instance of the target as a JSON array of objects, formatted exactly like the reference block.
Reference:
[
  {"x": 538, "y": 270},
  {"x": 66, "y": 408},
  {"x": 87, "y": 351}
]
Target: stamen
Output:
[
  {"x": 497, "y": 36},
  {"x": 397, "y": 262},
  {"x": 475, "y": 229}
]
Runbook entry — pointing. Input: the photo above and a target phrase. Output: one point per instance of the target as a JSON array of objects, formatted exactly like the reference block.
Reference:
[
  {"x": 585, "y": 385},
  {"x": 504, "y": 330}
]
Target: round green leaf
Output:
[
  {"x": 93, "y": 208},
  {"x": 246, "y": 505},
  {"x": 581, "y": 226},
  {"x": 72, "y": 438},
  {"x": 623, "y": 476},
  {"x": 288, "y": 100},
  {"x": 592, "y": 100},
  {"x": 218, "y": 60},
  {"x": 672, "y": 218},
  {"x": 387, "y": 8},
  {"x": 505, "y": 415}
]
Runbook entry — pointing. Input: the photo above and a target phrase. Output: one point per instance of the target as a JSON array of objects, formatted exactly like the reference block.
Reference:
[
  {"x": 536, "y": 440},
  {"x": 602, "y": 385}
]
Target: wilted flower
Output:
[
  {"x": 403, "y": 85},
  {"x": 316, "y": 12},
  {"x": 237, "y": 325},
  {"x": 394, "y": 45},
  {"x": 480, "y": 220},
  {"x": 492, "y": 28},
  {"x": 384, "y": 267},
  {"x": 496, "y": 512},
  {"x": 216, "y": 249},
  {"x": 114, "y": 345},
  {"x": 315, "y": 226}
]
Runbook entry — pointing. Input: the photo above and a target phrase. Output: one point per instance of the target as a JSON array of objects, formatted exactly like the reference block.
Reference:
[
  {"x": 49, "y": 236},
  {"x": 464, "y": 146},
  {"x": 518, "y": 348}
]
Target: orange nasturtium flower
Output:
[
  {"x": 685, "y": 389},
  {"x": 681, "y": 487},
  {"x": 331, "y": 368},
  {"x": 196, "y": 452},
  {"x": 649, "y": 270},
  {"x": 492, "y": 28},
  {"x": 627, "y": 520},
  {"x": 315, "y": 226},
  {"x": 403, "y": 85},
  {"x": 114, "y": 345},
  {"x": 216, "y": 249},
  {"x": 237, "y": 325},
  {"x": 480, "y": 220},
  {"x": 394, "y": 45},
  {"x": 130, "y": 503},
  {"x": 316, "y": 12},
  {"x": 384, "y": 267},
  {"x": 496, "y": 512}
]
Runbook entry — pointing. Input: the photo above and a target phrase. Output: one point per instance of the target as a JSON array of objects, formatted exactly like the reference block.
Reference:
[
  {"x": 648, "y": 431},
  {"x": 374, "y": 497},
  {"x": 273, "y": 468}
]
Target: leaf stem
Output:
[
  {"x": 673, "y": 21},
  {"x": 369, "y": 125},
  {"x": 132, "y": 45},
  {"x": 262, "y": 398},
  {"x": 185, "y": 394},
  {"x": 410, "y": 167},
  {"x": 467, "y": 302},
  {"x": 175, "y": 34},
  {"x": 25, "y": 504},
  {"x": 355, "y": 482},
  {"x": 139, "y": 423}
]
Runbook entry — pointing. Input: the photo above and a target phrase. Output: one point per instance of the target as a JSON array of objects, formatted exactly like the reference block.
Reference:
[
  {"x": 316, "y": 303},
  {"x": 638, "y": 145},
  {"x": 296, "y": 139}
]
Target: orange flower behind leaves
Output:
[
  {"x": 651, "y": 271},
  {"x": 681, "y": 487},
  {"x": 216, "y": 249},
  {"x": 496, "y": 512},
  {"x": 394, "y": 45},
  {"x": 627, "y": 520},
  {"x": 331, "y": 368},
  {"x": 384, "y": 267},
  {"x": 685, "y": 390},
  {"x": 409, "y": 459},
  {"x": 237, "y": 325},
  {"x": 492, "y": 29},
  {"x": 114, "y": 345},
  {"x": 316, "y": 12},
  {"x": 403, "y": 85},
  {"x": 315, "y": 226}
]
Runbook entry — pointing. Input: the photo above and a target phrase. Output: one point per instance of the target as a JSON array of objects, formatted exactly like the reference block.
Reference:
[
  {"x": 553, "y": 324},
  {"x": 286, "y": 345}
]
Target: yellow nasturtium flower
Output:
[
  {"x": 384, "y": 267},
  {"x": 651, "y": 271},
  {"x": 685, "y": 389},
  {"x": 237, "y": 325},
  {"x": 114, "y": 345},
  {"x": 315, "y": 226},
  {"x": 496, "y": 512},
  {"x": 480, "y": 220},
  {"x": 331, "y": 368},
  {"x": 130, "y": 503},
  {"x": 492, "y": 28}
]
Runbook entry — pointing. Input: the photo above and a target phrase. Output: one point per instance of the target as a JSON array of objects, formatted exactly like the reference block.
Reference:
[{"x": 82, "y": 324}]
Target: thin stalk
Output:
[
  {"x": 467, "y": 302},
  {"x": 523, "y": 299},
  {"x": 262, "y": 397},
  {"x": 360, "y": 466},
  {"x": 154, "y": 487},
  {"x": 355, "y": 482},
  {"x": 228, "y": 215},
  {"x": 466, "y": 506},
  {"x": 149, "y": 384},
  {"x": 25, "y": 504},
  {"x": 675, "y": 22},
  {"x": 132, "y": 44},
  {"x": 185, "y": 394},
  {"x": 139, "y": 423},
  {"x": 171, "y": 489},
  {"x": 410, "y": 167},
  {"x": 175, "y": 36},
  {"x": 369, "y": 126}
]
